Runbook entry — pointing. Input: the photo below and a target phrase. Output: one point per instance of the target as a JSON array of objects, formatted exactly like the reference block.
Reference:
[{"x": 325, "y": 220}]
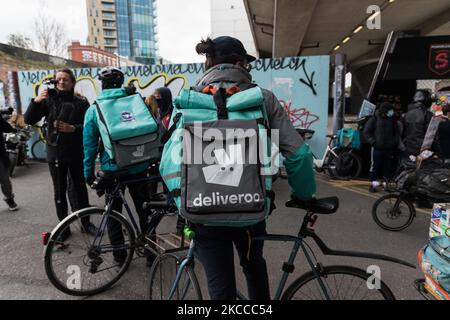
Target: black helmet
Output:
[{"x": 111, "y": 77}]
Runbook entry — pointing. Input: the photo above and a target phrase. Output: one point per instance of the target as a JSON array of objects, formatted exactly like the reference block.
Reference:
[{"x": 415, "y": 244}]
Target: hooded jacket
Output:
[
  {"x": 415, "y": 124},
  {"x": 62, "y": 146},
  {"x": 298, "y": 158},
  {"x": 92, "y": 139},
  {"x": 382, "y": 132},
  {"x": 165, "y": 108}
]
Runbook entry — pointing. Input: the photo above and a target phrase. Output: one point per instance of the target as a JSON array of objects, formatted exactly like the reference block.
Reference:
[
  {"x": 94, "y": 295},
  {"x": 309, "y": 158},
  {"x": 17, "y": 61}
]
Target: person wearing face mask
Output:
[
  {"x": 163, "y": 98},
  {"x": 64, "y": 112},
  {"x": 382, "y": 131}
]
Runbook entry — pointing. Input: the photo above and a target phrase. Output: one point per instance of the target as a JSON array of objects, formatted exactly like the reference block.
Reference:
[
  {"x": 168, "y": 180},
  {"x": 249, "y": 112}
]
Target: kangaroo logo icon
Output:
[
  {"x": 139, "y": 152},
  {"x": 229, "y": 168}
]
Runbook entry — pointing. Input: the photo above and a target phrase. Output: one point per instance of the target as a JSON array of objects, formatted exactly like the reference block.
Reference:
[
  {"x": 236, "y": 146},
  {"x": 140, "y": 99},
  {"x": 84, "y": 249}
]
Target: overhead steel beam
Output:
[{"x": 291, "y": 21}]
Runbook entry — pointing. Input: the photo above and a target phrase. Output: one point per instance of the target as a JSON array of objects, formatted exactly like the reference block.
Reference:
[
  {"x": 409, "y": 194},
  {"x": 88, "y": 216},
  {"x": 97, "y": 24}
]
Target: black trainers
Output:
[
  {"x": 89, "y": 228},
  {"x": 64, "y": 235},
  {"x": 12, "y": 205}
]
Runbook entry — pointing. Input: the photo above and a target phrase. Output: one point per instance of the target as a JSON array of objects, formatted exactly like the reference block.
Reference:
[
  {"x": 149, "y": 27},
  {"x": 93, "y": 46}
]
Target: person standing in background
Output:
[{"x": 64, "y": 112}]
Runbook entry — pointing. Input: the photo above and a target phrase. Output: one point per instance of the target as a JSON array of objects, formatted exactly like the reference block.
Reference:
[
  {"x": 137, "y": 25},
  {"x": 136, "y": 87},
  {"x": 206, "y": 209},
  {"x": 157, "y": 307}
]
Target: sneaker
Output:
[
  {"x": 64, "y": 236},
  {"x": 12, "y": 205},
  {"x": 89, "y": 228}
]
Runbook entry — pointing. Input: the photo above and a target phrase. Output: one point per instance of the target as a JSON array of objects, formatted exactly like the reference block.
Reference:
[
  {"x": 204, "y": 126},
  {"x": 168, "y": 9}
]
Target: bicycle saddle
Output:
[
  {"x": 321, "y": 206},
  {"x": 334, "y": 136},
  {"x": 107, "y": 175}
]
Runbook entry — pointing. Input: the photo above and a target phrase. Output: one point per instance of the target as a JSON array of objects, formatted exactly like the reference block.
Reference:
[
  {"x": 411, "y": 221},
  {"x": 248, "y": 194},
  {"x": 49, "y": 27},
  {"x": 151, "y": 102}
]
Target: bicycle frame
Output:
[
  {"x": 306, "y": 232},
  {"x": 288, "y": 267},
  {"x": 118, "y": 194},
  {"x": 319, "y": 163}
]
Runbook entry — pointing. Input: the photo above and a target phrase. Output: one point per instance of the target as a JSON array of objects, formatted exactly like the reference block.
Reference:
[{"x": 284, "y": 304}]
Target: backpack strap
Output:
[
  {"x": 220, "y": 100},
  {"x": 166, "y": 136}
]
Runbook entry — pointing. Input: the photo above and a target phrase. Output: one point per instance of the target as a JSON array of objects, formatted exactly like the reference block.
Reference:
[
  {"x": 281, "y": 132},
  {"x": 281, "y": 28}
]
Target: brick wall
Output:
[{"x": 14, "y": 59}]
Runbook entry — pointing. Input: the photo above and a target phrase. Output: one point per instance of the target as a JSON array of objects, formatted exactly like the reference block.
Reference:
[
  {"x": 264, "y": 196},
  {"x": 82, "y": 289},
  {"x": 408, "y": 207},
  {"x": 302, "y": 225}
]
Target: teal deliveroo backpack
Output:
[
  {"x": 129, "y": 133},
  {"x": 217, "y": 161}
]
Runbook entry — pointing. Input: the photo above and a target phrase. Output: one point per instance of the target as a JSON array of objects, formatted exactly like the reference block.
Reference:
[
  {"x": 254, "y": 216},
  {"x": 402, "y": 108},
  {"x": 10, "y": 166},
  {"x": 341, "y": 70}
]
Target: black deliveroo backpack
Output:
[{"x": 217, "y": 162}]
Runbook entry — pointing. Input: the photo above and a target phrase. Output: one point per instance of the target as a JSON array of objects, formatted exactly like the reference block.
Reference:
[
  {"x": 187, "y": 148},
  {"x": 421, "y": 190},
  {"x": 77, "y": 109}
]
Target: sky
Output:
[{"x": 181, "y": 23}]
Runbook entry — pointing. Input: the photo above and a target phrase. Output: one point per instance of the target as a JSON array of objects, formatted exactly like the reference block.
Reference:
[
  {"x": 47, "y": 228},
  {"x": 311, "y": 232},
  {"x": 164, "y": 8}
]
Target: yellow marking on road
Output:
[{"x": 351, "y": 185}]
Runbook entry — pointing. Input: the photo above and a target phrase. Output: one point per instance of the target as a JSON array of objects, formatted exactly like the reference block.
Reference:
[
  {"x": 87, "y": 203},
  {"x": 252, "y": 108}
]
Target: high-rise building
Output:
[{"x": 124, "y": 27}]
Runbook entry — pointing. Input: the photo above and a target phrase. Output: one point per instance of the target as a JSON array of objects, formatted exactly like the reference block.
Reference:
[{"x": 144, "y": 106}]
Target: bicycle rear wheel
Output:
[
  {"x": 348, "y": 165},
  {"x": 392, "y": 212},
  {"x": 341, "y": 283},
  {"x": 162, "y": 278},
  {"x": 75, "y": 266}
]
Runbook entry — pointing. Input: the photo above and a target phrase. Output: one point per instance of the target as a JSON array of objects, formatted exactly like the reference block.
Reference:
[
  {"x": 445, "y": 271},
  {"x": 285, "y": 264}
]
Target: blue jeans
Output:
[{"x": 214, "y": 249}]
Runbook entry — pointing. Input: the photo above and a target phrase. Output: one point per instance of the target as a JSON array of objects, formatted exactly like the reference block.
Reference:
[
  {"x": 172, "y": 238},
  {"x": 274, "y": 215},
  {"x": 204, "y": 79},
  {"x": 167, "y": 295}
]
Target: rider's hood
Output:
[{"x": 108, "y": 94}]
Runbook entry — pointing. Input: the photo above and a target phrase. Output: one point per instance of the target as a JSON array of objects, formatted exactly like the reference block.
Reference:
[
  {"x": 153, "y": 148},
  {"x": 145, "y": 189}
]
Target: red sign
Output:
[{"x": 439, "y": 61}]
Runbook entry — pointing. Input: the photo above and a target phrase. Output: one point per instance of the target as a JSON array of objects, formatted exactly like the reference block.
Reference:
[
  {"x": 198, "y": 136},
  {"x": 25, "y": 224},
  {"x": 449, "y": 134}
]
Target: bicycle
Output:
[
  {"x": 341, "y": 163},
  {"x": 42, "y": 133},
  {"x": 319, "y": 283},
  {"x": 81, "y": 263},
  {"x": 395, "y": 211}
]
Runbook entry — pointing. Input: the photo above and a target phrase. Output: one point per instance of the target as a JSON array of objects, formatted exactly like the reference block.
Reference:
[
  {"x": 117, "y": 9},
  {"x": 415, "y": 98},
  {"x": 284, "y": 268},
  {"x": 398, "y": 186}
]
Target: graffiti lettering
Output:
[
  {"x": 300, "y": 81},
  {"x": 309, "y": 80},
  {"x": 300, "y": 117},
  {"x": 147, "y": 71},
  {"x": 294, "y": 63},
  {"x": 33, "y": 77}
]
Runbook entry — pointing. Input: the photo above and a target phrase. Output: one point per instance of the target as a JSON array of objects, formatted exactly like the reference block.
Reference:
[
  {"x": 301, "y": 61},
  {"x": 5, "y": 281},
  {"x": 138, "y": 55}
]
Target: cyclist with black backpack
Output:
[{"x": 227, "y": 203}]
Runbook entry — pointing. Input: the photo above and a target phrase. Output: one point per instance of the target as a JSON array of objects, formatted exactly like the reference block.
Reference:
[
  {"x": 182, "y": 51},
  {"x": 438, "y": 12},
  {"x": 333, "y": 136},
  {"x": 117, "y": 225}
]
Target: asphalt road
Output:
[{"x": 22, "y": 274}]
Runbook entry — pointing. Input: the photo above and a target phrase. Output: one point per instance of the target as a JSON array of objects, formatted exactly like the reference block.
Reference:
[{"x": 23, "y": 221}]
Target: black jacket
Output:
[
  {"x": 444, "y": 138},
  {"x": 415, "y": 124},
  {"x": 64, "y": 147},
  {"x": 382, "y": 132},
  {"x": 4, "y": 127}
]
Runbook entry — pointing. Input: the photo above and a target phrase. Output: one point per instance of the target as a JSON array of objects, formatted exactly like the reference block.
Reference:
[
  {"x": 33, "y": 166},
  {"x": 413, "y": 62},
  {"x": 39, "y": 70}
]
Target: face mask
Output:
[
  {"x": 159, "y": 102},
  {"x": 390, "y": 113}
]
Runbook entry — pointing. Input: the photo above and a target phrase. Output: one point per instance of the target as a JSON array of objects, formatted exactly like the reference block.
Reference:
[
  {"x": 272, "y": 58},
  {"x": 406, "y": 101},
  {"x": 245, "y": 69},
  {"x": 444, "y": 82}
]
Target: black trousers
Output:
[
  {"x": 78, "y": 195},
  {"x": 214, "y": 249},
  {"x": 382, "y": 163},
  {"x": 139, "y": 193}
]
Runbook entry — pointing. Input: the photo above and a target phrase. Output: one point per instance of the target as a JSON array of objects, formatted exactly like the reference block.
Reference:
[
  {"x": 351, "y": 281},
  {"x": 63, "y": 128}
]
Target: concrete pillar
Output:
[{"x": 339, "y": 92}]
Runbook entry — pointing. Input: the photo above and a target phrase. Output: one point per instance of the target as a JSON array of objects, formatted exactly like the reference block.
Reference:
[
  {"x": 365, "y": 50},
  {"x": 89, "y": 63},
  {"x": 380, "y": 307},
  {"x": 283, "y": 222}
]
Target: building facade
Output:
[
  {"x": 92, "y": 55},
  {"x": 124, "y": 27},
  {"x": 229, "y": 18}
]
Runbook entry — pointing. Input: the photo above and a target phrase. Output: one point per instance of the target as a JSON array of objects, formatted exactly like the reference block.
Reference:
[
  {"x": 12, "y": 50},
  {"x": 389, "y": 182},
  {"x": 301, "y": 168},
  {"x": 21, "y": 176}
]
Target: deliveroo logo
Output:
[
  {"x": 127, "y": 116},
  {"x": 229, "y": 168},
  {"x": 139, "y": 151}
]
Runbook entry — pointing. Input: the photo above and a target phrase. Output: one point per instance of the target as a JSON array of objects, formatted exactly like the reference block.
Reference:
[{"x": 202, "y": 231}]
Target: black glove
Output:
[
  {"x": 90, "y": 181},
  {"x": 303, "y": 203}
]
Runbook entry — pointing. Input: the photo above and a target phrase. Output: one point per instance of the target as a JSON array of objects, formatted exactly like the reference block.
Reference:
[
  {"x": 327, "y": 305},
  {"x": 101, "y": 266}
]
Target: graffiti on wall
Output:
[{"x": 300, "y": 84}]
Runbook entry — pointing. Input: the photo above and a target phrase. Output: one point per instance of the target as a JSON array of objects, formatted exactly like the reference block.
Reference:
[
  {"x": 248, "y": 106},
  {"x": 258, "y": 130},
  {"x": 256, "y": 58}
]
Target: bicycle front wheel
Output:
[
  {"x": 393, "y": 212},
  {"x": 162, "y": 279},
  {"x": 34, "y": 146},
  {"x": 84, "y": 261},
  {"x": 340, "y": 283}
]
